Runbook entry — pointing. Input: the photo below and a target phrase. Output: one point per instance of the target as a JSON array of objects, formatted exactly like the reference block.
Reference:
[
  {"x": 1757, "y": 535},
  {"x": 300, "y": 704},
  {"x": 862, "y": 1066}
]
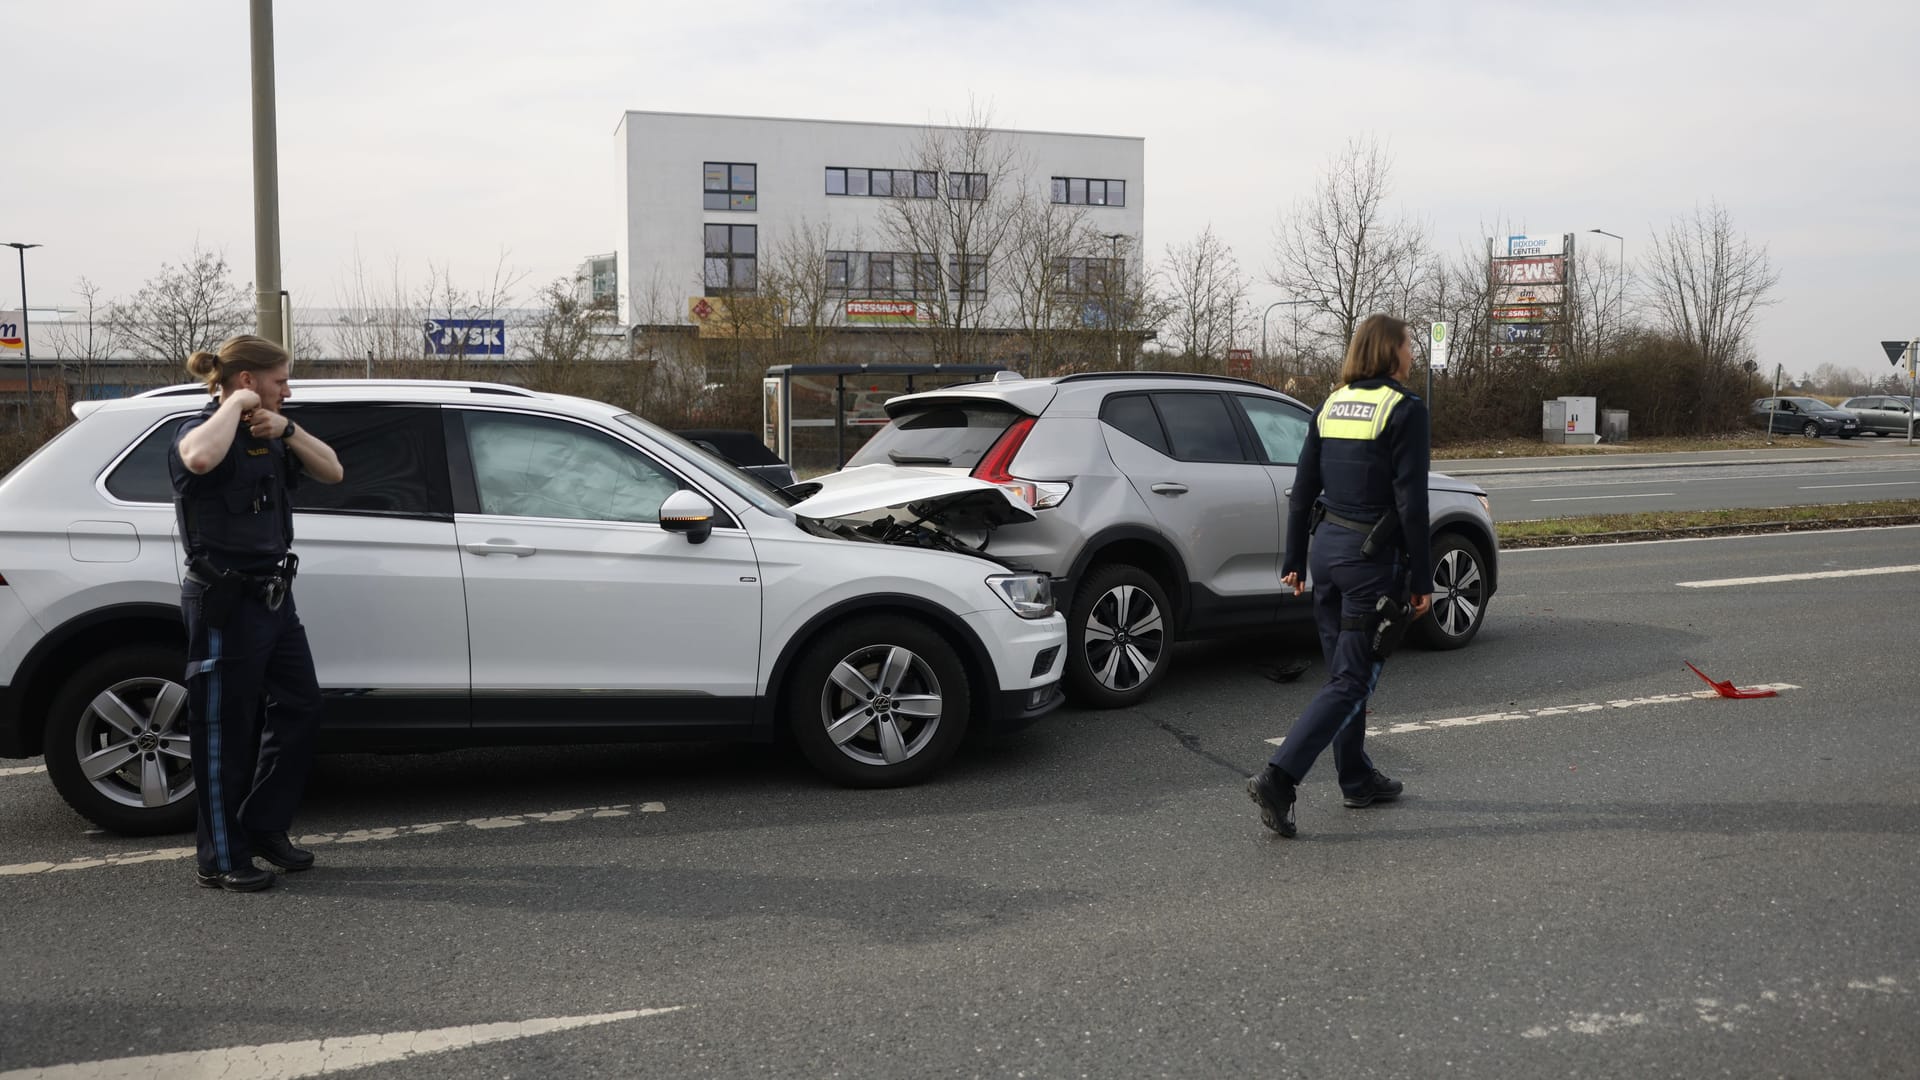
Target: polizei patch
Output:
[{"x": 1351, "y": 410}]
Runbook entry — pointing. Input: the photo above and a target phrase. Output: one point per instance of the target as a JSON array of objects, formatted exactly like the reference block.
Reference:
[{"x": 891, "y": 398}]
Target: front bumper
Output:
[{"x": 1029, "y": 658}]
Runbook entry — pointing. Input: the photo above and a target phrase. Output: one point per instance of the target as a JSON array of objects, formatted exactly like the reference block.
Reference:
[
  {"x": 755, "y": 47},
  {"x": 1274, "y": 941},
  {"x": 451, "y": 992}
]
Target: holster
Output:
[
  {"x": 220, "y": 592},
  {"x": 1384, "y": 626},
  {"x": 1385, "y": 534}
]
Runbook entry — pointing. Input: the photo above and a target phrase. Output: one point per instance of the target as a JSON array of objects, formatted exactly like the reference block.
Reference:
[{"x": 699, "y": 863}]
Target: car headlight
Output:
[
  {"x": 1484, "y": 504},
  {"x": 1030, "y": 596}
]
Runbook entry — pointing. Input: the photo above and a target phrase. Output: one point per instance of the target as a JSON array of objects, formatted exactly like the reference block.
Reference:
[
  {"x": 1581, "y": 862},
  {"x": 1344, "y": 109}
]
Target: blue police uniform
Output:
[
  {"x": 252, "y": 696},
  {"x": 1365, "y": 459}
]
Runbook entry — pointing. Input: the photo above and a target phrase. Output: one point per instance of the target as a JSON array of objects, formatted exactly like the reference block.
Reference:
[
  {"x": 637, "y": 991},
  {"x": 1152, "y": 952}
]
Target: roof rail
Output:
[
  {"x": 432, "y": 384},
  {"x": 1092, "y": 376}
]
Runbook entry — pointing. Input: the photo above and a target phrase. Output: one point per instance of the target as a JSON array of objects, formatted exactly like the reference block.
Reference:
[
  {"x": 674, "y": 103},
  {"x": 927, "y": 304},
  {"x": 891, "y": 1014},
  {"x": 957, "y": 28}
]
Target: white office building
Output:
[{"x": 711, "y": 200}]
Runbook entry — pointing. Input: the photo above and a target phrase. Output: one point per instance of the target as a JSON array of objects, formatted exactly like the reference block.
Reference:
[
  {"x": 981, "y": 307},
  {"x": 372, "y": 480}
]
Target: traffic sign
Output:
[
  {"x": 1895, "y": 349},
  {"x": 1437, "y": 355}
]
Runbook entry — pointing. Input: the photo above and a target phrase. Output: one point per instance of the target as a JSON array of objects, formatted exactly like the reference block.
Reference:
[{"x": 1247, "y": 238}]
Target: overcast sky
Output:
[{"x": 446, "y": 133}]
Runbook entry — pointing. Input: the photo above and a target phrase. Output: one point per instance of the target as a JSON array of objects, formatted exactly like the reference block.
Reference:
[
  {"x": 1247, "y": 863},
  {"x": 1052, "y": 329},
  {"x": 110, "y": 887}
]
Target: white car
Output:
[{"x": 505, "y": 566}]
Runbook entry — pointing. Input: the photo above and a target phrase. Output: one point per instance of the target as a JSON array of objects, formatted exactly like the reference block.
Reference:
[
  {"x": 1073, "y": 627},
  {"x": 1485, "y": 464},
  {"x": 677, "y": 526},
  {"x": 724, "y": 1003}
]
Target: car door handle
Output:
[
  {"x": 501, "y": 547},
  {"x": 1166, "y": 488}
]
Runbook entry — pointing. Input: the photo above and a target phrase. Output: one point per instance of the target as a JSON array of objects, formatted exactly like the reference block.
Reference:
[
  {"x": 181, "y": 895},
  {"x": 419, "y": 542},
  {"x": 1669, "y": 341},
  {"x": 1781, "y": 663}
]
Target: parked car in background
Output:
[
  {"x": 1882, "y": 414},
  {"x": 744, "y": 449},
  {"x": 1160, "y": 504},
  {"x": 502, "y": 566},
  {"x": 1802, "y": 416}
]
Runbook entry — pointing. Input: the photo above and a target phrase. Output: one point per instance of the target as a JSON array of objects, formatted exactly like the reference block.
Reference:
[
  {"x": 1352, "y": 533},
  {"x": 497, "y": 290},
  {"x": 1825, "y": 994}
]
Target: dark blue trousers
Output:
[
  {"x": 1345, "y": 583},
  {"x": 253, "y": 710}
]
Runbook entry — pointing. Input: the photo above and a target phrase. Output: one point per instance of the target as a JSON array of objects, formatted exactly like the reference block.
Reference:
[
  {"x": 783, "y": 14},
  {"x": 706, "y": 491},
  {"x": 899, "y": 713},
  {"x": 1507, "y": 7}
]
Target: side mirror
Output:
[{"x": 689, "y": 513}]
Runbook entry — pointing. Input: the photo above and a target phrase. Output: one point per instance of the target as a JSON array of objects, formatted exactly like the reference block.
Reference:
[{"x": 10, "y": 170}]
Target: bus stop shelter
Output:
[{"x": 816, "y": 415}]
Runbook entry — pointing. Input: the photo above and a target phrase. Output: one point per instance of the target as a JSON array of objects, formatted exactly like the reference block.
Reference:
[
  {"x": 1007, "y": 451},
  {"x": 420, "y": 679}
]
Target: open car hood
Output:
[{"x": 948, "y": 499}]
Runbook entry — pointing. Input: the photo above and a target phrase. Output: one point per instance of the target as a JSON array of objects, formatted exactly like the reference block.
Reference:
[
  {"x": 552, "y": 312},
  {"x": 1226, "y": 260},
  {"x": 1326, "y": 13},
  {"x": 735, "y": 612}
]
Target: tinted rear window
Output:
[
  {"x": 938, "y": 435},
  {"x": 142, "y": 475}
]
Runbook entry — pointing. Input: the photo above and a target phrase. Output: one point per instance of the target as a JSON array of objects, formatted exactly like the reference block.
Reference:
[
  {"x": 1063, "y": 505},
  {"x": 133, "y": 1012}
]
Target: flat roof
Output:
[{"x": 869, "y": 123}]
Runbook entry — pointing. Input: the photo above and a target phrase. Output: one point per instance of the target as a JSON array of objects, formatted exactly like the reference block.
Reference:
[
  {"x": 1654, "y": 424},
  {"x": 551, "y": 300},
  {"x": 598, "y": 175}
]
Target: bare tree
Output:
[
  {"x": 956, "y": 226},
  {"x": 806, "y": 306},
  {"x": 92, "y": 340},
  {"x": 379, "y": 320},
  {"x": 183, "y": 309},
  {"x": 1705, "y": 282},
  {"x": 1339, "y": 251},
  {"x": 1045, "y": 269},
  {"x": 1206, "y": 294}
]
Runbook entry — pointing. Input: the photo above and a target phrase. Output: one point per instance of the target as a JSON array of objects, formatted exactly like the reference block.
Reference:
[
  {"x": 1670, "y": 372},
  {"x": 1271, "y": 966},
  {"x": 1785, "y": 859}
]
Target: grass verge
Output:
[
  {"x": 1666, "y": 525},
  {"x": 1490, "y": 448}
]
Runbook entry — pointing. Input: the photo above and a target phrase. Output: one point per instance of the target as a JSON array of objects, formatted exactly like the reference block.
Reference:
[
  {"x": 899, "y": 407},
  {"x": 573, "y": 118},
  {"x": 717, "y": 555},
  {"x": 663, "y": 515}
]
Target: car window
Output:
[
  {"x": 938, "y": 434},
  {"x": 1280, "y": 427},
  {"x": 394, "y": 458},
  {"x": 142, "y": 475},
  {"x": 1133, "y": 415},
  {"x": 538, "y": 466},
  {"x": 1199, "y": 427}
]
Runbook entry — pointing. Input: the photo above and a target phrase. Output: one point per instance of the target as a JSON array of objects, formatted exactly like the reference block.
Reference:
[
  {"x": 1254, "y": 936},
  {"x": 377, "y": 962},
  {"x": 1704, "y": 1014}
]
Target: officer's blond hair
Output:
[
  {"x": 1374, "y": 352},
  {"x": 241, "y": 352}
]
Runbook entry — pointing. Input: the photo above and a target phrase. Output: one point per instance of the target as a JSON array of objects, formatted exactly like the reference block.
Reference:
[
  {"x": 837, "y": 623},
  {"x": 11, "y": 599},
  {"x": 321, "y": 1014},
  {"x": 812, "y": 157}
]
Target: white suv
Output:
[{"x": 504, "y": 566}]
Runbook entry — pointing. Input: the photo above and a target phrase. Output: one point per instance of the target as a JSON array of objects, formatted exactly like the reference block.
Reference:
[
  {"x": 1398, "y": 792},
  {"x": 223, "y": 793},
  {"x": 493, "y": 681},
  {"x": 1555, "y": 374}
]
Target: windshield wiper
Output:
[{"x": 899, "y": 458}]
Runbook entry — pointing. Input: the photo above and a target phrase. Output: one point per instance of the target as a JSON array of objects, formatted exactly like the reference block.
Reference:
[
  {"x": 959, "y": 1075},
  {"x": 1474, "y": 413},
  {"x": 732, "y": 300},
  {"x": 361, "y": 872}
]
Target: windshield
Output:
[
  {"x": 939, "y": 434},
  {"x": 1814, "y": 405},
  {"x": 744, "y": 484}
]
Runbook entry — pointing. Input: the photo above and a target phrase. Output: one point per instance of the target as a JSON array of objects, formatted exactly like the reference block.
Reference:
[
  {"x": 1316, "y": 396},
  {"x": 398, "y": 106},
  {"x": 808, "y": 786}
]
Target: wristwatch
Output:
[{"x": 288, "y": 433}]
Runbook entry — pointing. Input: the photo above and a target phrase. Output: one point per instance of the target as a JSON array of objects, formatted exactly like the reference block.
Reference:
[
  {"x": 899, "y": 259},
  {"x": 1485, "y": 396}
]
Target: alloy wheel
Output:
[
  {"x": 133, "y": 746},
  {"x": 1125, "y": 637},
  {"x": 1459, "y": 590},
  {"x": 881, "y": 705}
]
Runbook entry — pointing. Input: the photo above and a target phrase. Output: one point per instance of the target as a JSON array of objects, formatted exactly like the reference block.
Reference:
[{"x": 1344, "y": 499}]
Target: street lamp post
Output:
[
  {"x": 1263, "y": 321},
  {"x": 1623, "y": 259},
  {"x": 26, "y": 330},
  {"x": 1113, "y": 276}
]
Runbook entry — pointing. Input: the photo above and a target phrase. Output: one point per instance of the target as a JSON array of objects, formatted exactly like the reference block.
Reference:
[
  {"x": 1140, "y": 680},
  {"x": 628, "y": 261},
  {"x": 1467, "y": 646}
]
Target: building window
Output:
[
  {"x": 882, "y": 275},
  {"x": 971, "y": 283},
  {"x": 880, "y": 183},
  {"x": 966, "y": 185},
  {"x": 731, "y": 264},
  {"x": 1085, "y": 277},
  {"x": 729, "y": 185},
  {"x": 1080, "y": 191}
]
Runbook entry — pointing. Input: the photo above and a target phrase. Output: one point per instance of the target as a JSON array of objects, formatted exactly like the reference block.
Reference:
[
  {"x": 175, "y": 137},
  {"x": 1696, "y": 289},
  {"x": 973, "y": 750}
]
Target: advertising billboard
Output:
[
  {"x": 468, "y": 337},
  {"x": 12, "y": 337},
  {"x": 1522, "y": 246},
  {"x": 1547, "y": 270},
  {"x": 885, "y": 313}
]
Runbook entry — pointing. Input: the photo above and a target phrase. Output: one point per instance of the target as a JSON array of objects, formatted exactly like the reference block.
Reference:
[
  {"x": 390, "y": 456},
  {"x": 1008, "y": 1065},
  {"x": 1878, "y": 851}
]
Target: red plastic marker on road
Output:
[{"x": 1727, "y": 689}]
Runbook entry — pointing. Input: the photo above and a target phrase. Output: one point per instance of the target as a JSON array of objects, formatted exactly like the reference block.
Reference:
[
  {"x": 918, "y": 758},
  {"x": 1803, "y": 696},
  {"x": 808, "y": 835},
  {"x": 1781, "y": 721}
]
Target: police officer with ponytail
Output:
[
  {"x": 1361, "y": 493},
  {"x": 252, "y": 698}
]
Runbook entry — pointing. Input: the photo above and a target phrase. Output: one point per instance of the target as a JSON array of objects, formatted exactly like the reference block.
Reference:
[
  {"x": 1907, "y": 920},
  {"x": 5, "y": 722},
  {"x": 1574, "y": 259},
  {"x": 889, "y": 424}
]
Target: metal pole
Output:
[
  {"x": 369, "y": 363},
  {"x": 266, "y": 179},
  {"x": 1913, "y": 368},
  {"x": 26, "y": 325}
]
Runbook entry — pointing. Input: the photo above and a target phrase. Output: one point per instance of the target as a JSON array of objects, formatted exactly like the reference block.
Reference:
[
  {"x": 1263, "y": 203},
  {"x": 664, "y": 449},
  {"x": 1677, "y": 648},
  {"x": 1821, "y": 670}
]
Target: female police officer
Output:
[
  {"x": 232, "y": 466},
  {"x": 1362, "y": 478}
]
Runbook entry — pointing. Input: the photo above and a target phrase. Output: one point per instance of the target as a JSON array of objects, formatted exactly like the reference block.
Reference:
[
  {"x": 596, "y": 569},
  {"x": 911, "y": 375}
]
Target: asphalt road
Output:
[
  {"x": 1593, "y": 874},
  {"x": 1537, "y": 488}
]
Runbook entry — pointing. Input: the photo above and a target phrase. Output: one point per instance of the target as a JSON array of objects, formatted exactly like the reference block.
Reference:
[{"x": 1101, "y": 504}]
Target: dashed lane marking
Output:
[
  {"x": 352, "y": 836},
  {"x": 1588, "y": 498},
  {"x": 1411, "y": 726},
  {"x": 1814, "y": 575},
  {"x": 318, "y": 1057},
  {"x": 23, "y": 770}
]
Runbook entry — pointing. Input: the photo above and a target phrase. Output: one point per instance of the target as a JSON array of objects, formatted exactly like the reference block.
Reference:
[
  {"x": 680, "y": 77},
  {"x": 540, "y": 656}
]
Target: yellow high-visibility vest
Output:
[{"x": 1353, "y": 413}]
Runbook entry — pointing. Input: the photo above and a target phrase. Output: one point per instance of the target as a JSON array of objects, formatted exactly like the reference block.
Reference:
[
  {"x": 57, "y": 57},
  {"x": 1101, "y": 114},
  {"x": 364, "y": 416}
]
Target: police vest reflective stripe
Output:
[{"x": 1353, "y": 413}]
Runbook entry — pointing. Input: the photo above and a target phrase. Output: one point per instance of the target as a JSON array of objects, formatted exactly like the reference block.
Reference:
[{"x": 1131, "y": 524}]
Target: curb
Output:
[
  {"x": 1688, "y": 531},
  {"x": 1504, "y": 470}
]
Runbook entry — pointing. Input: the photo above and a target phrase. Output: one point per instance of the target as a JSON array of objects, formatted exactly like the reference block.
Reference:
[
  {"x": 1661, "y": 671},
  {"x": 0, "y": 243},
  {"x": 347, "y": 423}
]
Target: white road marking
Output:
[
  {"x": 317, "y": 1057},
  {"x": 1883, "y": 483},
  {"x": 1707, "y": 1012},
  {"x": 23, "y": 770},
  {"x": 352, "y": 836},
  {"x": 1410, "y": 726},
  {"x": 1586, "y": 498},
  {"x": 1815, "y": 575}
]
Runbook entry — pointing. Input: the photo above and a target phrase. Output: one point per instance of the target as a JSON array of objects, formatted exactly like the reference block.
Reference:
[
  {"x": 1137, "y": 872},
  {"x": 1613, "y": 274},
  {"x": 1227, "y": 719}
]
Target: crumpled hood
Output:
[
  {"x": 1443, "y": 482},
  {"x": 949, "y": 499}
]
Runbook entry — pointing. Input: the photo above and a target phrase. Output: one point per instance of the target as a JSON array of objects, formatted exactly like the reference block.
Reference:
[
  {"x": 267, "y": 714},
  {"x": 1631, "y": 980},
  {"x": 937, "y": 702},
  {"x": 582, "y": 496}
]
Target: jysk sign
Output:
[{"x": 470, "y": 337}]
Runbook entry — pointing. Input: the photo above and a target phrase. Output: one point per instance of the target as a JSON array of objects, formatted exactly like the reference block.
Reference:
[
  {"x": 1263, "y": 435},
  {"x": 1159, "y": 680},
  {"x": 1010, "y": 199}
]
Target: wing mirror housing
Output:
[{"x": 688, "y": 513}]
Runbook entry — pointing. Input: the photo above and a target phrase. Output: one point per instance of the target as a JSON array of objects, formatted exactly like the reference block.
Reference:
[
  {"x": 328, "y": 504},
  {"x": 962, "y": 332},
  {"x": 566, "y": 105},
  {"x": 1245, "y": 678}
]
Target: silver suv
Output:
[{"x": 1160, "y": 503}]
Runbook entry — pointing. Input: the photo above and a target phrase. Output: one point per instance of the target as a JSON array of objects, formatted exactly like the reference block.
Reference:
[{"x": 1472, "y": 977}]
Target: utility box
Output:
[
  {"x": 1581, "y": 421},
  {"x": 1553, "y": 421},
  {"x": 1613, "y": 425}
]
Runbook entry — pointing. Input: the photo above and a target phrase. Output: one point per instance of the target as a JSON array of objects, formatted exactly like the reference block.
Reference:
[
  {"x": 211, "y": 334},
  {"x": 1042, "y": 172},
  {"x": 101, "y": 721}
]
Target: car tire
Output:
[
  {"x": 129, "y": 707},
  {"x": 894, "y": 747},
  {"x": 1459, "y": 594},
  {"x": 1123, "y": 610},
  {"x": 1811, "y": 431}
]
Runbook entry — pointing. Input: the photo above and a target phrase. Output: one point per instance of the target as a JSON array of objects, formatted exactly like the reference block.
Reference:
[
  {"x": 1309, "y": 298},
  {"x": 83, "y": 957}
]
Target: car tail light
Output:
[{"x": 997, "y": 463}]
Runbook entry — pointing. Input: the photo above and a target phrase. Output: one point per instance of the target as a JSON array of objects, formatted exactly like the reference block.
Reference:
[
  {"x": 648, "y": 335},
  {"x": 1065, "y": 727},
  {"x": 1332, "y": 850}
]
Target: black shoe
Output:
[
  {"x": 243, "y": 878},
  {"x": 278, "y": 850},
  {"x": 1272, "y": 792},
  {"x": 1379, "y": 788}
]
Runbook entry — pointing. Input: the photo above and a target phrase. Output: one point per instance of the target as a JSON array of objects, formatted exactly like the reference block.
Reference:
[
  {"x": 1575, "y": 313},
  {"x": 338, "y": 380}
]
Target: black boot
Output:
[
  {"x": 1379, "y": 788},
  {"x": 245, "y": 877},
  {"x": 278, "y": 850},
  {"x": 1272, "y": 791}
]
